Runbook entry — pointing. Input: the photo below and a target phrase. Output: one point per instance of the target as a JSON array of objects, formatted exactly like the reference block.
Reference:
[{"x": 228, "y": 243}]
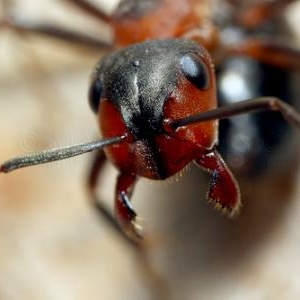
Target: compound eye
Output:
[
  {"x": 95, "y": 94},
  {"x": 195, "y": 70}
]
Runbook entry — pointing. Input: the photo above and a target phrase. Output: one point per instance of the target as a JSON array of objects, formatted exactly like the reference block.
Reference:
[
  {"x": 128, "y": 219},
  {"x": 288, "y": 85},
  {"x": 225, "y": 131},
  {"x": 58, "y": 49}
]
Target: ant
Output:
[{"x": 155, "y": 95}]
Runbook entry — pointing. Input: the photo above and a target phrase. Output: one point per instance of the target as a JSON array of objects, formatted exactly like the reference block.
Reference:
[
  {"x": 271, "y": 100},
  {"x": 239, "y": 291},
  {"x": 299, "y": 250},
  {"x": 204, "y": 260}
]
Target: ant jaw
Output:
[
  {"x": 223, "y": 190},
  {"x": 230, "y": 212}
]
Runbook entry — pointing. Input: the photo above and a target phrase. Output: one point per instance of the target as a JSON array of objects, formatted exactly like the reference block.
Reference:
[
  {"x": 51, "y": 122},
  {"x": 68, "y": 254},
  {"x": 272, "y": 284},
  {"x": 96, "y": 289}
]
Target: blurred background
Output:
[{"x": 53, "y": 245}]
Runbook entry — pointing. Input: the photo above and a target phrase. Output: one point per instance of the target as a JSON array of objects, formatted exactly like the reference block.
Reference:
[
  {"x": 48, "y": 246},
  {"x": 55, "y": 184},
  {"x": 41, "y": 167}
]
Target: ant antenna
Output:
[
  {"x": 252, "y": 105},
  {"x": 57, "y": 154}
]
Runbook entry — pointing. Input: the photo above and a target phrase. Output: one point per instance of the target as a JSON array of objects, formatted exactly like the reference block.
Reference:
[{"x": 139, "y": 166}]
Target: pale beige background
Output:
[{"x": 52, "y": 244}]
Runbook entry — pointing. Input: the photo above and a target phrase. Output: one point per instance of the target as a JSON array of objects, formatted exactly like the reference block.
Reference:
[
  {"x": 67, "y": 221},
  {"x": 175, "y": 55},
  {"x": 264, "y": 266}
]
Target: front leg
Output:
[
  {"x": 53, "y": 31},
  {"x": 125, "y": 214},
  {"x": 223, "y": 190}
]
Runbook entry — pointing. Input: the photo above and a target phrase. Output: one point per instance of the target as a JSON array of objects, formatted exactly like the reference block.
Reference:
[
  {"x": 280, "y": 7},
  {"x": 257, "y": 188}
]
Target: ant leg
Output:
[
  {"x": 90, "y": 9},
  {"x": 242, "y": 107},
  {"x": 53, "y": 31},
  {"x": 97, "y": 165},
  {"x": 267, "y": 51},
  {"x": 223, "y": 190},
  {"x": 125, "y": 214},
  {"x": 95, "y": 171}
]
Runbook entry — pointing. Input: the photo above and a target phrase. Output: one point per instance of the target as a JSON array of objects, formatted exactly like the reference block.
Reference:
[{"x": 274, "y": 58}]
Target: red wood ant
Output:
[{"x": 156, "y": 96}]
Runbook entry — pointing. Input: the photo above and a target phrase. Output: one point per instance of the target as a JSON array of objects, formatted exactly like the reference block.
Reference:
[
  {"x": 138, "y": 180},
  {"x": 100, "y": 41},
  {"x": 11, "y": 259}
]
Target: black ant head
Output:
[{"x": 140, "y": 79}]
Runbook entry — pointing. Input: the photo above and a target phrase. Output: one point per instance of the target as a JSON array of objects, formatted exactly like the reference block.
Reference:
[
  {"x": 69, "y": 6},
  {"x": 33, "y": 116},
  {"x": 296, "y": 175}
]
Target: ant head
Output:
[{"x": 154, "y": 81}]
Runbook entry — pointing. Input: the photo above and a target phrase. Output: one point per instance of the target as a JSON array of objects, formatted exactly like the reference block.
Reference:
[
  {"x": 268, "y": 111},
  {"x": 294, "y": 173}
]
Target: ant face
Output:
[
  {"x": 144, "y": 81},
  {"x": 141, "y": 87}
]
